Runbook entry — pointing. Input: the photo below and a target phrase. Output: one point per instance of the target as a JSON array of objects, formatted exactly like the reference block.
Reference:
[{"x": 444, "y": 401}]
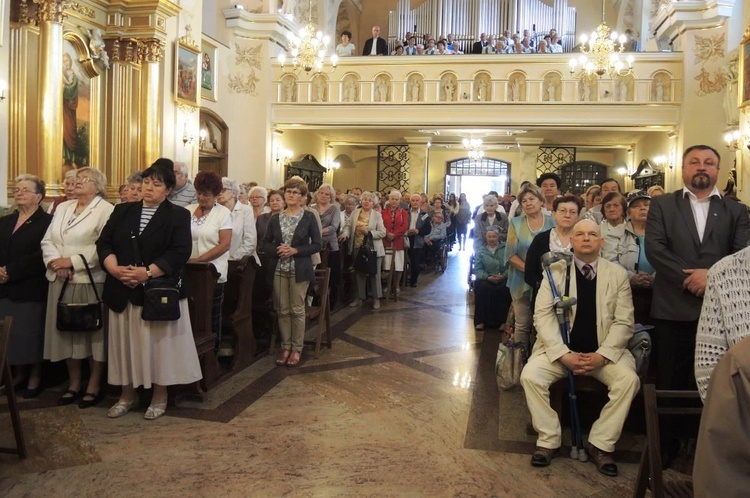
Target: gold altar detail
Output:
[
  {"x": 150, "y": 50},
  {"x": 52, "y": 10}
]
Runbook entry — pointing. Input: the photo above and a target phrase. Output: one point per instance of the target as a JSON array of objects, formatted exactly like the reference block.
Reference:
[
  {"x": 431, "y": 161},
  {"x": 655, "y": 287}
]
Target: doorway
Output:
[{"x": 477, "y": 177}]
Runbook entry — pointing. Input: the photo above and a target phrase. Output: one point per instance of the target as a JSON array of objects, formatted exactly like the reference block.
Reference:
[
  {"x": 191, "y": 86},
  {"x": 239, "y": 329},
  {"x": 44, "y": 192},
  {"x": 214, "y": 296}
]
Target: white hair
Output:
[
  {"x": 395, "y": 192},
  {"x": 183, "y": 168}
]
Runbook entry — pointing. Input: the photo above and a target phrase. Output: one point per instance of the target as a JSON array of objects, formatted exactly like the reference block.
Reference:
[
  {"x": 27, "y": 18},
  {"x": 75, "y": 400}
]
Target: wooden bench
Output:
[
  {"x": 201, "y": 281},
  {"x": 10, "y": 394},
  {"x": 319, "y": 312},
  {"x": 237, "y": 311}
]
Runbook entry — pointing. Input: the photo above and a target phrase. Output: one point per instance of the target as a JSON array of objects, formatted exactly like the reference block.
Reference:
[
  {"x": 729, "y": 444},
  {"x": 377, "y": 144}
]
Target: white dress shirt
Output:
[{"x": 700, "y": 208}]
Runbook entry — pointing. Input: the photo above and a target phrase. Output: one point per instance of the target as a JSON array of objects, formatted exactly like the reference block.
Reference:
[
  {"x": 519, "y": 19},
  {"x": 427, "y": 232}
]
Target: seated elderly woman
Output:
[
  {"x": 630, "y": 253},
  {"x": 366, "y": 221},
  {"x": 211, "y": 227},
  {"x": 614, "y": 206},
  {"x": 70, "y": 238},
  {"x": 244, "y": 235},
  {"x": 23, "y": 288},
  {"x": 491, "y": 217},
  {"x": 135, "y": 183},
  {"x": 491, "y": 294}
]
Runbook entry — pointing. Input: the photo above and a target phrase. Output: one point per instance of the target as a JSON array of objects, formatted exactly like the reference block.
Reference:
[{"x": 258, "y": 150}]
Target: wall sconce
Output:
[
  {"x": 202, "y": 141},
  {"x": 187, "y": 138},
  {"x": 736, "y": 139},
  {"x": 662, "y": 162},
  {"x": 333, "y": 165},
  {"x": 3, "y": 89},
  {"x": 283, "y": 156},
  {"x": 622, "y": 171}
]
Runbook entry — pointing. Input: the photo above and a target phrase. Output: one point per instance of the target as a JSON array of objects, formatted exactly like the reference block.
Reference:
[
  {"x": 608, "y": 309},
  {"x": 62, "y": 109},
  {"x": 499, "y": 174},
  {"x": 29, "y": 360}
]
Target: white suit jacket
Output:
[
  {"x": 377, "y": 229},
  {"x": 614, "y": 312},
  {"x": 67, "y": 239},
  {"x": 244, "y": 233}
]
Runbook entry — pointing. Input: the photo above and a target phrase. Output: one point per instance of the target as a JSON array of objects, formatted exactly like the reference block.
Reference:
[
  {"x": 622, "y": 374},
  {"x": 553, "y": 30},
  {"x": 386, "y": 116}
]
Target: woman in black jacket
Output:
[
  {"x": 291, "y": 239},
  {"x": 23, "y": 286},
  {"x": 143, "y": 240}
]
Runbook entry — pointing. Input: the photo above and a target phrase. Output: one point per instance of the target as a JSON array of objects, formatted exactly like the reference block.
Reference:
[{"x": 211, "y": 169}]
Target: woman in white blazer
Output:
[
  {"x": 73, "y": 233},
  {"x": 362, "y": 221}
]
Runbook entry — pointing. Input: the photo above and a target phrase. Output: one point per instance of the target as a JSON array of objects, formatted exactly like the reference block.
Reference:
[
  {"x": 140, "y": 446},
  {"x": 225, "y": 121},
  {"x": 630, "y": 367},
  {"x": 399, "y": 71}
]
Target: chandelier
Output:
[
  {"x": 600, "y": 53},
  {"x": 308, "y": 49},
  {"x": 474, "y": 148}
]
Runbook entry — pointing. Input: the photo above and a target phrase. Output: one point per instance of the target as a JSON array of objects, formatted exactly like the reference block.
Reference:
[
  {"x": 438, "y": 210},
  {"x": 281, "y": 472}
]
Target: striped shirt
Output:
[{"x": 146, "y": 214}]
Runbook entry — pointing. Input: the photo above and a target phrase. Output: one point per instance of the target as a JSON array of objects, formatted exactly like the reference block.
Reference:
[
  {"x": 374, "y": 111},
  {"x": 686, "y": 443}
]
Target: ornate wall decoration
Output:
[
  {"x": 483, "y": 87},
  {"x": 320, "y": 88},
  {"x": 97, "y": 47},
  {"x": 382, "y": 88},
  {"x": 415, "y": 88},
  {"x": 249, "y": 55},
  {"x": 623, "y": 88},
  {"x": 517, "y": 87},
  {"x": 288, "y": 88},
  {"x": 83, "y": 10},
  {"x": 661, "y": 87},
  {"x": 709, "y": 48},
  {"x": 551, "y": 159},
  {"x": 351, "y": 88},
  {"x": 588, "y": 88},
  {"x": 708, "y": 51},
  {"x": 393, "y": 167},
  {"x": 52, "y": 10},
  {"x": 448, "y": 88},
  {"x": 552, "y": 87},
  {"x": 150, "y": 50},
  {"x": 244, "y": 84}
]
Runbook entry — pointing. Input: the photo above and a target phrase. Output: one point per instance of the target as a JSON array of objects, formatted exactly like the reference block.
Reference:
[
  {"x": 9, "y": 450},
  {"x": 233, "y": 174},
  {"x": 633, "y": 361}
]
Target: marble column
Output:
[
  {"x": 151, "y": 53},
  {"x": 51, "y": 15}
]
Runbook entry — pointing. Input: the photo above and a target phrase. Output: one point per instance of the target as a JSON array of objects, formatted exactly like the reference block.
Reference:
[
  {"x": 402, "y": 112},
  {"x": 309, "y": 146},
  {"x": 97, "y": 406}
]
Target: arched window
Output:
[{"x": 497, "y": 169}]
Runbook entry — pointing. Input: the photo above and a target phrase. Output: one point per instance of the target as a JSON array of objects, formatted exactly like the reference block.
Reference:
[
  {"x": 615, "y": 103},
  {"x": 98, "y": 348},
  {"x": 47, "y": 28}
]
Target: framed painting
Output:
[
  {"x": 187, "y": 75},
  {"x": 744, "y": 97},
  {"x": 79, "y": 100},
  {"x": 208, "y": 70}
]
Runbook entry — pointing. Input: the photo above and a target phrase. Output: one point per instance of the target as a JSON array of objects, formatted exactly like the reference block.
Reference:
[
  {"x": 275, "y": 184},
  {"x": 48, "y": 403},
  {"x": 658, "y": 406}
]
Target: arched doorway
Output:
[
  {"x": 477, "y": 177},
  {"x": 214, "y": 143}
]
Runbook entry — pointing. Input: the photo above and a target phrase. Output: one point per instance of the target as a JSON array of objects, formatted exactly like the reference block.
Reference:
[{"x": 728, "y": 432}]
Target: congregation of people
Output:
[{"x": 525, "y": 42}]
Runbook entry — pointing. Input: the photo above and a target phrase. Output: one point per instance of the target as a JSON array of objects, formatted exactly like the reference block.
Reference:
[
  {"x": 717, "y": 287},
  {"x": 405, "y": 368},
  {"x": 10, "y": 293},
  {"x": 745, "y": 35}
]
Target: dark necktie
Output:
[{"x": 588, "y": 272}]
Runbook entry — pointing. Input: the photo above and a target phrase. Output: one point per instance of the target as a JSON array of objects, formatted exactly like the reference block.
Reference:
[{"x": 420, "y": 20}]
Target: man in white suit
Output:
[{"x": 601, "y": 325}]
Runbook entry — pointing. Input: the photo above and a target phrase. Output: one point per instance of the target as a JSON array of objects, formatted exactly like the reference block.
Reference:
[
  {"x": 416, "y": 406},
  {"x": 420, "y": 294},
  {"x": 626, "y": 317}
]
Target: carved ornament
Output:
[
  {"x": 83, "y": 10},
  {"x": 188, "y": 38},
  {"x": 150, "y": 50},
  {"x": 116, "y": 50},
  {"x": 23, "y": 14},
  {"x": 52, "y": 10}
]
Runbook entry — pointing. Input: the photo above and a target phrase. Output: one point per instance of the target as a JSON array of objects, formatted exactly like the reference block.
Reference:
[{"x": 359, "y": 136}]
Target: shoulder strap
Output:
[
  {"x": 91, "y": 280},
  {"x": 136, "y": 248}
]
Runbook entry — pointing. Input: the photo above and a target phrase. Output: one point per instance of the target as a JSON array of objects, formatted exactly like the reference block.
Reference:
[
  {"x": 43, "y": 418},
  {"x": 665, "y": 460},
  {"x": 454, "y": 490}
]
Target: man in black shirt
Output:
[{"x": 601, "y": 324}]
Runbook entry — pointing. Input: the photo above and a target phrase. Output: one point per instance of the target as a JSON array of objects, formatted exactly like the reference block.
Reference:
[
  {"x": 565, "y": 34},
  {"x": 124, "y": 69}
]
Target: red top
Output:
[{"x": 395, "y": 225}]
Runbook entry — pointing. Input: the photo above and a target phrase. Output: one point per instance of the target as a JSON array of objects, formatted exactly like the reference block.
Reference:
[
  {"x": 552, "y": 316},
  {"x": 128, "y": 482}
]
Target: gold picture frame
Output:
[
  {"x": 744, "y": 86},
  {"x": 187, "y": 74},
  {"x": 209, "y": 70}
]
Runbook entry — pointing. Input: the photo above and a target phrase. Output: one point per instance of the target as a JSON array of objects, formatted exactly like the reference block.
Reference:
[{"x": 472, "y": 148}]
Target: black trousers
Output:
[
  {"x": 415, "y": 260},
  {"x": 675, "y": 354}
]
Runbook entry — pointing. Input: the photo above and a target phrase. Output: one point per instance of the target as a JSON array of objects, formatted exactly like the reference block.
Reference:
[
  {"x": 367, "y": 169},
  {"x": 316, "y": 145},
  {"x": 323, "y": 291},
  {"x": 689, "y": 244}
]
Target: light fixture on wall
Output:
[
  {"x": 3, "y": 89},
  {"x": 202, "y": 141},
  {"x": 308, "y": 49},
  {"x": 283, "y": 156},
  {"x": 187, "y": 138},
  {"x": 333, "y": 165},
  {"x": 600, "y": 54},
  {"x": 474, "y": 148},
  {"x": 663, "y": 162},
  {"x": 736, "y": 139}
]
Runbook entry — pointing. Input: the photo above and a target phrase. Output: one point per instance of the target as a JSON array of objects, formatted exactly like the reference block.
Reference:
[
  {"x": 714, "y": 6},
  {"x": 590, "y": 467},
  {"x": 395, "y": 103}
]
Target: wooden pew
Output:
[
  {"x": 10, "y": 394},
  {"x": 201, "y": 280},
  {"x": 237, "y": 311}
]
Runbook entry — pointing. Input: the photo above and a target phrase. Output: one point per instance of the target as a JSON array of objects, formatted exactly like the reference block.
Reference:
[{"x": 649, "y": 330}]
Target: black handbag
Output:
[
  {"x": 79, "y": 317},
  {"x": 366, "y": 260},
  {"x": 161, "y": 299},
  {"x": 161, "y": 295}
]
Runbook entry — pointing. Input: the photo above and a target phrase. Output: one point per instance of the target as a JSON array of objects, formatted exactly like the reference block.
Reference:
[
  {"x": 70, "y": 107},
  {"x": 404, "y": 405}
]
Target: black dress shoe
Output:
[
  {"x": 32, "y": 393},
  {"x": 543, "y": 456},
  {"x": 604, "y": 461},
  {"x": 88, "y": 403},
  {"x": 69, "y": 400}
]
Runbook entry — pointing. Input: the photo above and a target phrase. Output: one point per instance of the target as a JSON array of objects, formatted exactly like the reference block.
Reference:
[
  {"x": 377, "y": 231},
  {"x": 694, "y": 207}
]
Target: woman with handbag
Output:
[
  {"x": 396, "y": 221},
  {"x": 23, "y": 288},
  {"x": 211, "y": 228},
  {"x": 144, "y": 242},
  {"x": 363, "y": 228},
  {"x": 69, "y": 249},
  {"x": 291, "y": 240},
  {"x": 330, "y": 219}
]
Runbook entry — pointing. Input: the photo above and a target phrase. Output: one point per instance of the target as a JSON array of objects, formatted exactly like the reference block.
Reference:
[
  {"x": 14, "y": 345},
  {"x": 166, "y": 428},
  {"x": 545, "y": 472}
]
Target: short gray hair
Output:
[
  {"x": 261, "y": 190},
  {"x": 100, "y": 179},
  {"x": 395, "y": 192},
  {"x": 373, "y": 197},
  {"x": 329, "y": 188},
  {"x": 183, "y": 168},
  {"x": 38, "y": 183},
  {"x": 230, "y": 184},
  {"x": 489, "y": 200},
  {"x": 135, "y": 178}
]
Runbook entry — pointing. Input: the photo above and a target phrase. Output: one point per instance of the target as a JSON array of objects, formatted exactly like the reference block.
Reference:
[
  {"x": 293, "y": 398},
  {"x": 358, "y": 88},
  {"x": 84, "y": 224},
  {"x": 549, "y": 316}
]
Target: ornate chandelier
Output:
[
  {"x": 308, "y": 49},
  {"x": 474, "y": 148},
  {"x": 600, "y": 53}
]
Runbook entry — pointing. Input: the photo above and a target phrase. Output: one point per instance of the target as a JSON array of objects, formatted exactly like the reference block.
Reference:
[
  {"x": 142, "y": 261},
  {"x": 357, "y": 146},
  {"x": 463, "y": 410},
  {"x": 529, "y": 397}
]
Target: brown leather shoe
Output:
[
  {"x": 605, "y": 463},
  {"x": 543, "y": 456}
]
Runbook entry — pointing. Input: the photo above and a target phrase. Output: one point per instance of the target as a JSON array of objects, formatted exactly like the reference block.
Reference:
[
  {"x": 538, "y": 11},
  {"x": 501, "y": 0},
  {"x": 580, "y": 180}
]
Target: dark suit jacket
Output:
[
  {"x": 672, "y": 244},
  {"x": 21, "y": 254},
  {"x": 306, "y": 240},
  {"x": 382, "y": 48},
  {"x": 533, "y": 273},
  {"x": 166, "y": 242},
  {"x": 477, "y": 47}
]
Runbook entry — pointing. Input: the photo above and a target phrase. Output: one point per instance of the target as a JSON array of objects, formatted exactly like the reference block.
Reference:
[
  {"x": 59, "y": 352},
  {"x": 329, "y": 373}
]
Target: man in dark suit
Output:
[
  {"x": 686, "y": 233},
  {"x": 478, "y": 46},
  {"x": 375, "y": 45}
]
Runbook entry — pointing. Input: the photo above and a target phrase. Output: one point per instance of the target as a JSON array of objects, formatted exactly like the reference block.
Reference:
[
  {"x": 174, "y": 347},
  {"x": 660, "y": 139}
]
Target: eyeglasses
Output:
[
  {"x": 83, "y": 179},
  {"x": 256, "y": 197},
  {"x": 23, "y": 191},
  {"x": 293, "y": 192}
]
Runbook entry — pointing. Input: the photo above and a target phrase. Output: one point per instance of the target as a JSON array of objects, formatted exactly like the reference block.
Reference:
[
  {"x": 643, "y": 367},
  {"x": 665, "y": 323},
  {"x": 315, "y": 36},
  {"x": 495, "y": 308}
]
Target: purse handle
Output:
[{"x": 91, "y": 279}]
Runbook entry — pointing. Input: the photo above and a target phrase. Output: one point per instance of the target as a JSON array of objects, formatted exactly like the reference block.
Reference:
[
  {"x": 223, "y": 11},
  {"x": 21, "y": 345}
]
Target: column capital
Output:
[
  {"x": 150, "y": 50},
  {"x": 52, "y": 10}
]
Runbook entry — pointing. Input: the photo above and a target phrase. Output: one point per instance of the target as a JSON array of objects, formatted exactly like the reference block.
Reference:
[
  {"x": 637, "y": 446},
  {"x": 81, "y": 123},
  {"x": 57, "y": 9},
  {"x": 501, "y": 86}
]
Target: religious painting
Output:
[
  {"x": 76, "y": 111},
  {"x": 187, "y": 75},
  {"x": 208, "y": 70},
  {"x": 745, "y": 72}
]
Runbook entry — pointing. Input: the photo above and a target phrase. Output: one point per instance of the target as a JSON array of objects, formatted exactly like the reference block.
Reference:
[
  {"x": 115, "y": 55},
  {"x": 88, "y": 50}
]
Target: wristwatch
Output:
[{"x": 148, "y": 273}]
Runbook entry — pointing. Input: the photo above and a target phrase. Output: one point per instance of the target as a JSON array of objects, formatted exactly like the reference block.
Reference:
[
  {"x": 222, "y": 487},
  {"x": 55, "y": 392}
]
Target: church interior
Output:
[{"x": 404, "y": 403}]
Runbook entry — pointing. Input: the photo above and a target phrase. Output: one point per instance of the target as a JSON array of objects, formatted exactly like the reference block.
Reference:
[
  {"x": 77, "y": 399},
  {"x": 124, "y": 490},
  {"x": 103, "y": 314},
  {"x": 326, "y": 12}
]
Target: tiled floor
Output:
[{"x": 405, "y": 404}]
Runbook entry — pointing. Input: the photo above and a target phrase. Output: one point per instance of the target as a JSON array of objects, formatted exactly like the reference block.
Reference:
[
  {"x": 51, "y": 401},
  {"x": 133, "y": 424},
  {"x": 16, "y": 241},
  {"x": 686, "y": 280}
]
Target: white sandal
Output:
[
  {"x": 121, "y": 408},
  {"x": 155, "y": 411}
]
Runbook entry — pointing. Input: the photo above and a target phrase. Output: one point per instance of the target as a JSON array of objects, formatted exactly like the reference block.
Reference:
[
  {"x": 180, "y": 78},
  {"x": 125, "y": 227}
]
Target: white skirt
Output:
[
  {"x": 399, "y": 260},
  {"x": 142, "y": 353}
]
